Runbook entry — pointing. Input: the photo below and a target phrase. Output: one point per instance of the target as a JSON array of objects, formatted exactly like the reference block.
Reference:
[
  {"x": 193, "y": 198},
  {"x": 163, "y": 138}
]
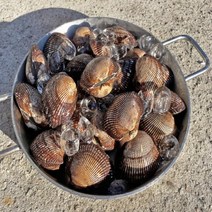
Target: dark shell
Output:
[
  {"x": 47, "y": 151},
  {"x": 76, "y": 66},
  {"x": 123, "y": 36},
  {"x": 128, "y": 71},
  {"x": 158, "y": 125},
  {"x": 30, "y": 104},
  {"x": 140, "y": 158},
  {"x": 81, "y": 39},
  {"x": 37, "y": 69},
  {"x": 99, "y": 75},
  {"x": 177, "y": 104},
  {"x": 104, "y": 140},
  {"x": 150, "y": 74},
  {"x": 57, "y": 48},
  {"x": 59, "y": 99},
  {"x": 122, "y": 118},
  {"x": 89, "y": 166}
]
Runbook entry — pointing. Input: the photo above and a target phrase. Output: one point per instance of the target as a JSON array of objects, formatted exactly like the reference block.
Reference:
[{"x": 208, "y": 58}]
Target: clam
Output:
[
  {"x": 57, "y": 49},
  {"x": 103, "y": 139},
  {"x": 81, "y": 39},
  {"x": 177, "y": 104},
  {"x": 59, "y": 99},
  {"x": 89, "y": 166},
  {"x": 30, "y": 105},
  {"x": 37, "y": 69},
  {"x": 158, "y": 125},
  {"x": 150, "y": 74},
  {"x": 135, "y": 53},
  {"x": 76, "y": 66},
  {"x": 128, "y": 71},
  {"x": 122, "y": 118},
  {"x": 47, "y": 151},
  {"x": 99, "y": 75},
  {"x": 140, "y": 158}
]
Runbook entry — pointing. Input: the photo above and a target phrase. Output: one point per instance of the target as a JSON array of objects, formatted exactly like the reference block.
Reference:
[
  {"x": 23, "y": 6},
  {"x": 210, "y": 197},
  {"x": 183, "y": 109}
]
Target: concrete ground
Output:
[{"x": 188, "y": 185}]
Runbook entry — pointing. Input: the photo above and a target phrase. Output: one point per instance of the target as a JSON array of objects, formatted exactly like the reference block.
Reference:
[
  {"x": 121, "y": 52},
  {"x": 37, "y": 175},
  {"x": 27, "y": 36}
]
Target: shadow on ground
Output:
[{"x": 16, "y": 38}]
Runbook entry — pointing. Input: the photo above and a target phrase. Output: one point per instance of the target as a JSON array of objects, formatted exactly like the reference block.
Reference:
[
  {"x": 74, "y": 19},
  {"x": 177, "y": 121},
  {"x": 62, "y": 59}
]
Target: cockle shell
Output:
[
  {"x": 140, "y": 158},
  {"x": 158, "y": 125},
  {"x": 104, "y": 140},
  {"x": 47, "y": 151},
  {"x": 81, "y": 39},
  {"x": 150, "y": 74},
  {"x": 128, "y": 71},
  {"x": 30, "y": 104},
  {"x": 76, "y": 66},
  {"x": 135, "y": 53},
  {"x": 57, "y": 48},
  {"x": 37, "y": 68},
  {"x": 122, "y": 118},
  {"x": 89, "y": 166},
  {"x": 177, "y": 104},
  {"x": 122, "y": 36},
  {"x": 99, "y": 75},
  {"x": 59, "y": 99}
]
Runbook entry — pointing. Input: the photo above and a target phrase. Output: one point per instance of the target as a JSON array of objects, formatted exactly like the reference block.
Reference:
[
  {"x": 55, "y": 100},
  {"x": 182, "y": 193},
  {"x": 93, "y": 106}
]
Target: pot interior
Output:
[{"x": 26, "y": 135}]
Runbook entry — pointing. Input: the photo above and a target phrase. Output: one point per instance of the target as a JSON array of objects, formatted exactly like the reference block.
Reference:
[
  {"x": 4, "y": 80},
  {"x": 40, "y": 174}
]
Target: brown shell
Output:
[
  {"x": 135, "y": 53},
  {"x": 177, "y": 104},
  {"x": 104, "y": 140},
  {"x": 81, "y": 36},
  {"x": 89, "y": 166},
  {"x": 122, "y": 118},
  {"x": 150, "y": 74},
  {"x": 30, "y": 104},
  {"x": 36, "y": 65},
  {"x": 59, "y": 99},
  {"x": 140, "y": 158},
  {"x": 123, "y": 36},
  {"x": 47, "y": 151},
  {"x": 99, "y": 75},
  {"x": 158, "y": 125}
]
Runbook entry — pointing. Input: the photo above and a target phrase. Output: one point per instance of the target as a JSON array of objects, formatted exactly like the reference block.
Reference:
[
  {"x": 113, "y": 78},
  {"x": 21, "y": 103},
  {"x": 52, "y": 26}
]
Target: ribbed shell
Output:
[
  {"x": 76, "y": 66},
  {"x": 105, "y": 141},
  {"x": 177, "y": 104},
  {"x": 36, "y": 65},
  {"x": 150, "y": 74},
  {"x": 30, "y": 104},
  {"x": 47, "y": 151},
  {"x": 81, "y": 39},
  {"x": 89, "y": 166},
  {"x": 123, "y": 36},
  {"x": 99, "y": 75},
  {"x": 128, "y": 71},
  {"x": 122, "y": 118},
  {"x": 140, "y": 158},
  {"x": 59, "y": 99},
  {"x": 158, "y": 125}
]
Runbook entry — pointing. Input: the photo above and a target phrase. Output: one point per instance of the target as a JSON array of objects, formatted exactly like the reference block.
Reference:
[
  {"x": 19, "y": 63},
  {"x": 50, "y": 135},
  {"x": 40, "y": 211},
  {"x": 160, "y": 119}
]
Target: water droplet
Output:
[
  {"x": 169, "y": 147},
  {"x": 146, "y": 42},
  {"x": 162, "y": 100}
]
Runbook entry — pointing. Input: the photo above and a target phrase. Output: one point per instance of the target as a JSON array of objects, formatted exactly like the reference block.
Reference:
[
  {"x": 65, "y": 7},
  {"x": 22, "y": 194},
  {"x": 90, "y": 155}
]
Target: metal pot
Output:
[{"x": 24, "y": 137}]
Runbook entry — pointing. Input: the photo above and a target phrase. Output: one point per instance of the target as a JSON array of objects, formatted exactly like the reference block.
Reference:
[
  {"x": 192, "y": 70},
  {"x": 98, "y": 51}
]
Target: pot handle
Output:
[
  {"x": 198, "y": 48},
  {"x": 14, "y": 148}
]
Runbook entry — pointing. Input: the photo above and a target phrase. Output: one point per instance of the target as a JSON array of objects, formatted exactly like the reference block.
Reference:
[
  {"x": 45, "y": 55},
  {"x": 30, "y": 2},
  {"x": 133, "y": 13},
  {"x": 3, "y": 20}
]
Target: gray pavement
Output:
[{"x": 188, "y": 185}]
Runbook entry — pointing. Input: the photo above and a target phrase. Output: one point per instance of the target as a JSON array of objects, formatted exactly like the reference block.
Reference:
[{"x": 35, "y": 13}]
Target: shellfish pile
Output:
[{"x": 101, "y": 108}]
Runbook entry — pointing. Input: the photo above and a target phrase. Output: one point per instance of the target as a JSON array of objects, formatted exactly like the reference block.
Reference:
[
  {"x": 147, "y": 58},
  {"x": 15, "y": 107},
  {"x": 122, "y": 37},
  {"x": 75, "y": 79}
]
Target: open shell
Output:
[
  {"x": 47, "y": 151},
  {"x": 158, "y": 125},
  {"x": 30, "y": 104},
  {"x": 89, "y": 166},
  {"x": 59, "y": 99},
  {"x": 140, "y": 158},
  {"x": 122, "y": 117},
  {"x": 99, "y": 75}
]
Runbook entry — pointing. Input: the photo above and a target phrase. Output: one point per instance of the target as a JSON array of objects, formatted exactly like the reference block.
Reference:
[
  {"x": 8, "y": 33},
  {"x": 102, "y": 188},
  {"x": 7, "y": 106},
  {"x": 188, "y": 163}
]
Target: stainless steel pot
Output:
[{"x": 24, "y": 137}]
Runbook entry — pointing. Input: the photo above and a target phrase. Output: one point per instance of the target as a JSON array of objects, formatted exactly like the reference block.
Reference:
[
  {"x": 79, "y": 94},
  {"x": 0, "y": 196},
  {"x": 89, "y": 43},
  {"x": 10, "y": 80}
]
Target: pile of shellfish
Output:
[{"x": 101, "y": 107}]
